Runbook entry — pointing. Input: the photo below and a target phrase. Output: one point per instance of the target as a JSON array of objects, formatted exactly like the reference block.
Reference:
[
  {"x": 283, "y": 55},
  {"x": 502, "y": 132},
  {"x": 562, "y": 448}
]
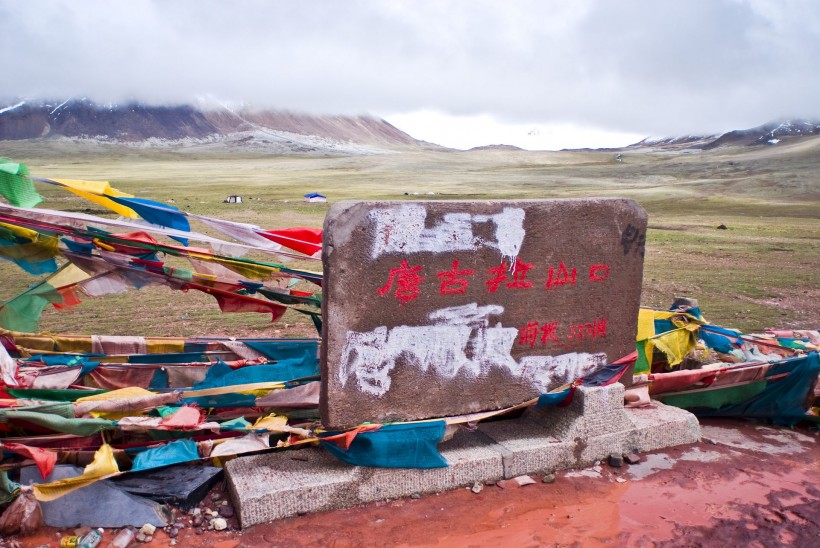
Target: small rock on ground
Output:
[
  {"x": 616, "y": 460},
  {"x": 632, "y": 458},
  {"x": 518, "y": 481}
]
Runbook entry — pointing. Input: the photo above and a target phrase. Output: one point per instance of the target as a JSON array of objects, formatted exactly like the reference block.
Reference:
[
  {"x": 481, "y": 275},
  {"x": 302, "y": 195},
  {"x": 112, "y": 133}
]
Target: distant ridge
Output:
[
  {"x": 510, "y": 148},
  {"x": 217, "y": 126},
  {"x": 765, "y": 135}
]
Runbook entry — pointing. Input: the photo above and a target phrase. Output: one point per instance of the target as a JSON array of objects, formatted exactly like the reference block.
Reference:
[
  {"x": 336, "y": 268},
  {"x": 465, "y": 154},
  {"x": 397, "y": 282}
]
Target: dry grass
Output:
[{"x": 763, "y": 271}]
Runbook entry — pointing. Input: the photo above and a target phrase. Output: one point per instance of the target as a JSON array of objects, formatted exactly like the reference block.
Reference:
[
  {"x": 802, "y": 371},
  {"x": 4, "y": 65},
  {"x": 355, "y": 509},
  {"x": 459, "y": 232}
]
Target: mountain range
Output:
[
  {"x": 216, "y": 126},
  {"x": 211, "y": 127},
  {"x": 769, "y": 134}
]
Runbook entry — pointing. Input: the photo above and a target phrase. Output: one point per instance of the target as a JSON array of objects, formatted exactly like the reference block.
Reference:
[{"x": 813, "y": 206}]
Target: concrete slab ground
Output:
[{"x": 278, "y": 485}]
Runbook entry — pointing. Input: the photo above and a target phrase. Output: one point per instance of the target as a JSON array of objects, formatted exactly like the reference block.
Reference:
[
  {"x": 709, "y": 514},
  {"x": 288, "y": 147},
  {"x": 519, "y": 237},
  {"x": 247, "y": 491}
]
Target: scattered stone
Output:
[
  {"x": 477, "y": 487},
  {"x": 173, "y": 532},
  {"x": 710, "y": 441},
  {"x": 723, "y": 227},
  {"x": 518, "y": 481},
  {"x": 220, "y": 524},
  {"x": 140, "y": 537},
  {"x": 632, "y": 458},
  {"x": 148, "y": 538},
  {"x": 548, "y": 478},
  {"x": 197, "y": 521},
  {"x": 616, "y": 460},
  {"x": 226, "y": 511},
  {"x": 172, "y": 543},
  {"x": 620, "y": 480},
  {"x": 224, "y": 503},
  {"x": 415, "y": 496},
  {"x": 148, "y": 529},
  {"x": 196, "y": 512},
  {"x": 200, "y": 531}
]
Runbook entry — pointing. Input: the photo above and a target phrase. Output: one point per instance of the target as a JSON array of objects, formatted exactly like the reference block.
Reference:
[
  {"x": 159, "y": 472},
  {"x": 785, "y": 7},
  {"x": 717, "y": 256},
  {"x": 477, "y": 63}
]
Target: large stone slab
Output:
[{"x": 444, "y": 308}]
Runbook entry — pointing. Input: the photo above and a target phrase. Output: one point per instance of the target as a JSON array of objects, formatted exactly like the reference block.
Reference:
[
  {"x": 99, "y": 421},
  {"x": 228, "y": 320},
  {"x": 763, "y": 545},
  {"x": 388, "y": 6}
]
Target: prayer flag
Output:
[{"x": 16, "y": 184}]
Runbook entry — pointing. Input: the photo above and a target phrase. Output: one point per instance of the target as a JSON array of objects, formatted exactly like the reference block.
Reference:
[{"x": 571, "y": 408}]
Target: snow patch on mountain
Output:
[{"x": 12, "y": 107}]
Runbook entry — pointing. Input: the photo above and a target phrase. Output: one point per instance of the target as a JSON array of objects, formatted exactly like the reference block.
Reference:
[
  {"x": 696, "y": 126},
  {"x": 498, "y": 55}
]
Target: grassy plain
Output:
[{"x": 763, "y": 271}]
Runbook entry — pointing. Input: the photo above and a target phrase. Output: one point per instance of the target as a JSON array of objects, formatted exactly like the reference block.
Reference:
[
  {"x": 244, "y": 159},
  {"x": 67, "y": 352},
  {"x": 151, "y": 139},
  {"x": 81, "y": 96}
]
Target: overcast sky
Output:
[{"x": 537, "y": 74}]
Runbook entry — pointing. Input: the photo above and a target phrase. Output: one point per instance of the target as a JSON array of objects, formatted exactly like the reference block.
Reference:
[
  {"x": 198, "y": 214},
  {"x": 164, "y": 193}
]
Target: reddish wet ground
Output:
[{"x": 746, "y": 484}]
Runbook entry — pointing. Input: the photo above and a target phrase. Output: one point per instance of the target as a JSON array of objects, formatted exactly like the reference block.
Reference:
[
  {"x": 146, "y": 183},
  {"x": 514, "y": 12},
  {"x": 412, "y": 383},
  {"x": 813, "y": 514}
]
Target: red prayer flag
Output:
[
  {"x": 344, "y": 439},
  {"x": 231, "y": 302},
  {"x": 43, "y": 458},
  {"x": 70, "y": 297},
  {"x": 303, "y": 239}
]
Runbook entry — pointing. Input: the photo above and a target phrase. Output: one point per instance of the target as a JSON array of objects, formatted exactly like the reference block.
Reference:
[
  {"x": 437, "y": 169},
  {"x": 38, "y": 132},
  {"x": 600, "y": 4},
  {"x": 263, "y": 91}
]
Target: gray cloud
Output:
[{"x": 644, "y": 66}]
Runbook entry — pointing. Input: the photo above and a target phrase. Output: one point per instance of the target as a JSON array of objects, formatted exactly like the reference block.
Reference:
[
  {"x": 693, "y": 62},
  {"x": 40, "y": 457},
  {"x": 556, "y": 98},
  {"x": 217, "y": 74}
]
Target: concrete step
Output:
[{"x": 273, "y": 486}]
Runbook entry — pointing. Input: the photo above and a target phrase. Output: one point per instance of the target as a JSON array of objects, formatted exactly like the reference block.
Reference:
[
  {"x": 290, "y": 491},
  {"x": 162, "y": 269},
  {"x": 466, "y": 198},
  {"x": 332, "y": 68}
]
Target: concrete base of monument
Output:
[{"x": 594, "y": 425}]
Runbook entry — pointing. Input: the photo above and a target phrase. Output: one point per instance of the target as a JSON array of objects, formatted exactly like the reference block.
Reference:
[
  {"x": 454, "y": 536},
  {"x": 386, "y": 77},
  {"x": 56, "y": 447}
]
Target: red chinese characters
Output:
[
  {"x": 598, "y": 272},
  {"x": 560, "y": 277},
  {"x": 528, "y": 335},
  {"x": 498, "y": 275},
  {"x": 548, "y": 333},
  {"x": 407, "y": 281},
  {"x": 519, "y": 273},
  {"x": 453, "y": 281}
]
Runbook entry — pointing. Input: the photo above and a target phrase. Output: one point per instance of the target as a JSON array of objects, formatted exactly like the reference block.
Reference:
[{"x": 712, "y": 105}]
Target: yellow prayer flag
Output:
[
  {"x": 271, "y": 423},
  {"x": 96, "y": 191},
  {"x": 104, "y": 465}
]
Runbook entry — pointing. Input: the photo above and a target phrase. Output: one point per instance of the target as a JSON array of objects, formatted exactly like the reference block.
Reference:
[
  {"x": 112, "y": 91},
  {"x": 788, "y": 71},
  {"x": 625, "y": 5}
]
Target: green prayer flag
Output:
[
  {"x": 713, "y": 399},
  {"x": 16, "y": 185},
  {"x": 8, "y": 489},
  {"x": 643, "y": 365},
  {"x": 22, "y": 313},
  {"x": 78, "y": 427}
]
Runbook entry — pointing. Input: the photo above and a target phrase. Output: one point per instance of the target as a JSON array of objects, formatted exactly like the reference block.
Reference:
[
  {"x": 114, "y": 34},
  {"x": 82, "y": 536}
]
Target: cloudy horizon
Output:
[{"x": 535, "y": 74}]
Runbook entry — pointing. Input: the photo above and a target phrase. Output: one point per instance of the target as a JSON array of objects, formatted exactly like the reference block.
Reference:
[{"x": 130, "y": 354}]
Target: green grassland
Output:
[{"x": 762, "y": 271}]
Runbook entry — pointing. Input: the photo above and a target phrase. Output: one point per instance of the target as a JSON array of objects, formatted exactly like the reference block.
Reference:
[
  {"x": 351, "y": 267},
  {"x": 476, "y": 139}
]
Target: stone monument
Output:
[{"x": 437, "y": 308}]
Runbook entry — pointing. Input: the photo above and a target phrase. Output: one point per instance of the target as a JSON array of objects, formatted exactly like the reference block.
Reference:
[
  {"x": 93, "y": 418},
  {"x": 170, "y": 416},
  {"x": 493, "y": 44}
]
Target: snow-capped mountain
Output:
[
  {"x": 211, "y": 125},
  {"x": 769, "y": 134}
]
